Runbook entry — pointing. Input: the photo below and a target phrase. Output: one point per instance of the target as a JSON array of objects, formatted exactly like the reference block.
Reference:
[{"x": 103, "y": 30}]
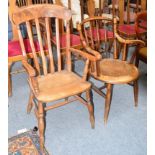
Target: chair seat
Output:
[
  {"x": 129, "y": 30},
  {"x": 14, "y": 48},
  {"x": 102, "y": 34},
  {"x": 143, "y": 52},
  {"x": 74, "y": 40},
  {"x": 52, "y": 86},
  {"x": 116, "y": 71}
]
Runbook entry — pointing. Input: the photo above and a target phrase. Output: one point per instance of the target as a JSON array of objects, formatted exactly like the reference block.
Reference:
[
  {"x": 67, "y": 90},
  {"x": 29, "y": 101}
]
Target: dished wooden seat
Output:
[
  {"x": 117, "y": 71},
  {"x": 60, "y": 85}
]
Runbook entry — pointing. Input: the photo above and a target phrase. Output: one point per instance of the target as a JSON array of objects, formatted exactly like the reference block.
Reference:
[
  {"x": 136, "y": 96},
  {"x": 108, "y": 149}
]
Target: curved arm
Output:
[
  {"x": 29, "y": 69},
  {"x": 128, "y": 41},
  {"x": 125, "y": 41},
  {"x": 84, "y": 54}
]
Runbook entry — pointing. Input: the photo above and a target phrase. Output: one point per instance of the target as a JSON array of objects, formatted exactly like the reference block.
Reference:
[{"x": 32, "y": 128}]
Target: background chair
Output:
[
  {"x": 141, "y": 22},
  {"x": 112, "y": 71},
  {"x": 46, "y": 83}
]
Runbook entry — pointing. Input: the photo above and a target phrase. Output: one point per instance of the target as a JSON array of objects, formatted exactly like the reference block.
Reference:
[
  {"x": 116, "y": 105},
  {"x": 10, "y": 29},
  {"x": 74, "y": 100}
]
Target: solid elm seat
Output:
[
  {"x": 52, "y": 87},
  {"x": 117, "y": 71}
]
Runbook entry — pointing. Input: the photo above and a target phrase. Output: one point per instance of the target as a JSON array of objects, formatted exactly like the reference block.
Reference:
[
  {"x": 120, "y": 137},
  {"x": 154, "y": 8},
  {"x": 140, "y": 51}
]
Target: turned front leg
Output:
[
  {"x": 41, "y": 124},
  {"x": 90, "y": 108}
]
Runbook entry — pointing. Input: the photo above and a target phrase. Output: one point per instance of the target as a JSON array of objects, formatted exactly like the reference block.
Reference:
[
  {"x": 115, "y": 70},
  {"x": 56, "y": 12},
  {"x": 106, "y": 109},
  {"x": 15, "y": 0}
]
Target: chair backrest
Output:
[
  {"x": 94, "y": 32},
  {"x": 16, "y": 4},
  {"x": 44, "y": 11}
]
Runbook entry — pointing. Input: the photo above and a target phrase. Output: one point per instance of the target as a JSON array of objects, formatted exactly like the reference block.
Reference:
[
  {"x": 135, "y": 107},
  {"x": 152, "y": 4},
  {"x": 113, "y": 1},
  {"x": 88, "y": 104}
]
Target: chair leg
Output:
[
  {"x": 135, "y": 87},
  {"x": 90, "y": 107},
  {"x": 41, "y": 124},
  {"x": 9, "y": 80},
  {"x": 107, "y": 102},
  {"x": 137, "y": 61},
  {"x": 30, "y": 103}
]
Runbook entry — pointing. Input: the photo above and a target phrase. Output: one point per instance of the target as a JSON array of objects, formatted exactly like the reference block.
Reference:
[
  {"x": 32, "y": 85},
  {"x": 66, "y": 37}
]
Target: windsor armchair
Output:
[
  {"x": 46, "y": 83},
  {"x": 111, "y": 71}
]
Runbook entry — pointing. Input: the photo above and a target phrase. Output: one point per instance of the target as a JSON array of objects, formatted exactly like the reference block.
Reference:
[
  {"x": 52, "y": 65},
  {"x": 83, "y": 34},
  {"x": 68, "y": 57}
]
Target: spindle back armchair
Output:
[
  {"x": 112, "y": 70},
  {"x": 52, "y": 82}
]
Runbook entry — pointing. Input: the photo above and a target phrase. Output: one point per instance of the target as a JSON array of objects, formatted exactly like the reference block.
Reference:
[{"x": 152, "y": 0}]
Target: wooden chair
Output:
[
  {"x": 14, "y": 50},
  {"x": 46, "y": 83},
  {"x": 127, "y": 17},
  {"x": 141, "y": 21},
  {"x": 112, "y": 71}
]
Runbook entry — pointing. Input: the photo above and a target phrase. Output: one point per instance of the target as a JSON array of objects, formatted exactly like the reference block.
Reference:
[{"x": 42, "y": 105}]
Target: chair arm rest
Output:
[
  {"x": 95, "y": 53},
  {"x": 128, "y": 41},
  {"x": 84, "y": 54},
  {"x": 29, "y": 69}
]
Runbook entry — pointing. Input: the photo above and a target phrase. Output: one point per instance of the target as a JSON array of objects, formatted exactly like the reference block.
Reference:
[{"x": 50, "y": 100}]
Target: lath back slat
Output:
[
  {"x": 58, "y": 44},
  {"x": 30, "y": 35},
  {"x": 91, "y": 34},
  {"x": 41, "y": 47},
  {"x": 68, "y": 55},
  {"x": 33, "y": 14},
  {"x": 97, "y": 34},
  {"x": 52, "y": 69}
]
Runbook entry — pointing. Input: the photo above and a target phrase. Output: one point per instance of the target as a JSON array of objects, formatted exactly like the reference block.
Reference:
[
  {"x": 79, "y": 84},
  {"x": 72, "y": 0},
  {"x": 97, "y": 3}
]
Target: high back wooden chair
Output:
[
  {"x": 46, "y": 83},
  {"x": 141, "y": 22},
  {"x": 112, "y": 71}
]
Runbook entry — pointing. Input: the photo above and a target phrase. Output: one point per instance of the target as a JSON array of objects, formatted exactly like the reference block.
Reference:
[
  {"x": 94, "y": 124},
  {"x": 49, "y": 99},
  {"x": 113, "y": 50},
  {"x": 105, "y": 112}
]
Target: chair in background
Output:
[
  {"x": 141, "y": 22},
  {"x": 111, "y": 71},
  {"x": 127, "y": 18},
  {"x": 46, "y": 83}
]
